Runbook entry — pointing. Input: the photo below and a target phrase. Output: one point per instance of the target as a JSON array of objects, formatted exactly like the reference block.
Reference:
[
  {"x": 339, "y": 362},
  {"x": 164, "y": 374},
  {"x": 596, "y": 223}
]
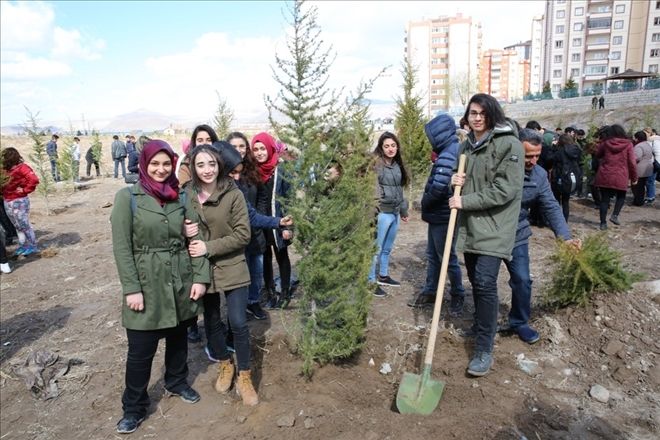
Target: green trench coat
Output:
[{"x": 151, "y": 257}]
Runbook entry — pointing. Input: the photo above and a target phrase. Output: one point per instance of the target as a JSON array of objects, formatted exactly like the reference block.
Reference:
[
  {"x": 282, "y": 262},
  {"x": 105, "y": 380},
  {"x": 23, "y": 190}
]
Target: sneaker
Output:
[
  {"x": 20, "y": 250},
  {"x": 388, "y": 281},
  {"x": 129, "y": 424},
  {"x": 208, "y": 354},
  {"x": 456, "y": 306},
  {"x": 480, "y": 364},
  {"x": 4, "y": 268},
  {"x": 422, "y": 300},
  {"x": 467, "y": 333},
  {"x": 255, "y": 311},
  {"x": 186, "y": 394},
  {"x": 379, "y": 293},
  {"x": 29, "y": 251},
  {"x": 193, "y": 334},
  {"x": 528, "y": 334},
  {"x": 603, "y": 226},
  {"x": 615, "y": 219}
]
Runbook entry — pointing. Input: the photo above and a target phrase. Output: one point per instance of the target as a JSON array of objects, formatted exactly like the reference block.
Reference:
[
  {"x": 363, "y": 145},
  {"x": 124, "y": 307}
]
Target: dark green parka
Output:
[{"x": 152, "y": 258}]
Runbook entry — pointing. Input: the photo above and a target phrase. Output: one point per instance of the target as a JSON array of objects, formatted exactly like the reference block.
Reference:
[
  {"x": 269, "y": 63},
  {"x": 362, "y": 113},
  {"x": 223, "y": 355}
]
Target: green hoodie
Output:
[{"x": 495, "y": 169}]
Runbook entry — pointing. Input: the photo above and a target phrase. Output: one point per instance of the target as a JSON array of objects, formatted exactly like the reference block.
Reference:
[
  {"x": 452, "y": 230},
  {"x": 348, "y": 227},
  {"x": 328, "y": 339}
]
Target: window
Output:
[
  {"x": 620, "y": 9},
  {"x": 439, "y": 40},
  {"x": 653, "y": 68},
  {"x": 656, "y": 21},
  {"x": 618, "y": 24},
  {"x": 435, "y": 61},
  {"x": 556, "y": 88},
  {"x": 559, "y": 29},
  {"x": 559, "y": 44},
  {"x": 578, "y": 26},
  {"x": 434, "y": 102},
  {"x": 657, "y": 6},
  {"x": 577, "y": 42},
  {"x": 616, "y": 41},
  {"x": 599, "y": 23},
  {"x": 595, "y": 70},
  {"x": 615, "y": 55},
  {"x": 575, "y": 57},
  {"x": 561, "y": 13},
  {"x": 655, "y": 37},
  {"x": 655, "y": 53},
  {"x": 556, "y": 73},
  {"x": 435, "y": 92},
  {"x": 575, "y": 73},
  {"x": 557, "y": 59},
  {"x": 579, "y": 12},
  {"x": 614, "y": 70}
]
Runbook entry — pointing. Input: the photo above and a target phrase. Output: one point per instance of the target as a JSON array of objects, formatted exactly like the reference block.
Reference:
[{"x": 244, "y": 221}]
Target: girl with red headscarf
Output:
[
  {"x": 264, "y": 150},
  {"x": 161, "y": 284}
]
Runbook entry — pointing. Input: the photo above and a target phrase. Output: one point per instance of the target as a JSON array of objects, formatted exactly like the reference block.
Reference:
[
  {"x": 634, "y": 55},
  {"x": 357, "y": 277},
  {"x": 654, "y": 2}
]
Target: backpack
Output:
[{"x": 567, "y": 174}]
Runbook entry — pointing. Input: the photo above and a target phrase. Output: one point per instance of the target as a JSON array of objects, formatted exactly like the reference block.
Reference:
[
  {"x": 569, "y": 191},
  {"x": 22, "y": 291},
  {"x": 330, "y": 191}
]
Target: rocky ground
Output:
[{"x": 594, "y": 375}]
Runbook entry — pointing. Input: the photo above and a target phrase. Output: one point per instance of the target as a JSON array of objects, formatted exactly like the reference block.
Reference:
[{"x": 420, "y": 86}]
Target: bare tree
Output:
[{"x": 462, "y": 86}]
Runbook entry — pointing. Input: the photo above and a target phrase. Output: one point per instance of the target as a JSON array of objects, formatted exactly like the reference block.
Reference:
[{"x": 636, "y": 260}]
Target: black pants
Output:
[
  {"x": 282, "y": 257},
  {"x": 89, "y": 168},
  {"x": 142, "y": 345},
  {"x": 605, "y": 195},
  {"x": 639, "y": 191},
  {"x": 563, "y": 198},
  {"x": 10, "y": 230},
  {"x": 216, "y": 331},
  {"x": 3, "y": 251},
  {"x": 483, "y": 271}
]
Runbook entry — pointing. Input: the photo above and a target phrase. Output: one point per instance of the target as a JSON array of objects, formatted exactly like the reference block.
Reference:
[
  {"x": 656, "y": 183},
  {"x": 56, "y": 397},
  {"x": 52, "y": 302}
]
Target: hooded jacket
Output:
[
  {"x": 644, "y": 158},
  {"x": 492, "y": 193},
  {"x": 616, "y": 165},
  {"x": 566, "y": 160},
  {"x": 441, "y": 132},
  {"x": 389, "y": 190},
  {"x": 225, "y": 228}
]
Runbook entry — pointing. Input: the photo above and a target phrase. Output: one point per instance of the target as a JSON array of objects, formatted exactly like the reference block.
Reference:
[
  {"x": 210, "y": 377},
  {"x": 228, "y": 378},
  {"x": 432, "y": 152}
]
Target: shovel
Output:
[{"x": 419, "y": 394}]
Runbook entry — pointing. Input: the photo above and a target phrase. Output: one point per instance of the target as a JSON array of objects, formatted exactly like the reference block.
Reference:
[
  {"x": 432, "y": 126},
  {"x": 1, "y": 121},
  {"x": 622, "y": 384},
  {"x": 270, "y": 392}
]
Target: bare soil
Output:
[{"x": 67, "y": 301}]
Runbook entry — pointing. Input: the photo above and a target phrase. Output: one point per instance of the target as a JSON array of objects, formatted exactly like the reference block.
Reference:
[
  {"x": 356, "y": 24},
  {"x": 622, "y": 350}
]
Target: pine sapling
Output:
[{"x": 39, "y": 158}]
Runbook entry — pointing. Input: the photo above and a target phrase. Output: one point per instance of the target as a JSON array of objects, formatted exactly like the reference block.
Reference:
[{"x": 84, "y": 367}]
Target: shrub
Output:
[{"x": 578, "y": 274}]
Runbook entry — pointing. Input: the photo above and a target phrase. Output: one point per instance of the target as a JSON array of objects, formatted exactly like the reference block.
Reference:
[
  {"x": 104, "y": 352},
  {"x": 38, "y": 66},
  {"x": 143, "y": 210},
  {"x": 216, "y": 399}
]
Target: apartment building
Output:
[
  {"x": 588, "y": 40},
  {"x": 536, "y": 48},
  {"x": 504, "y": 73},
  {"x": 445, "y": 50}
]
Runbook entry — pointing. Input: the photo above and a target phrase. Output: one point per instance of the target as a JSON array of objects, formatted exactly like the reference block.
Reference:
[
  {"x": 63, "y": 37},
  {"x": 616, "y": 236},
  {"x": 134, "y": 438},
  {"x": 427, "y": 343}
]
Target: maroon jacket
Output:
[{"x": 617, "y": 165}]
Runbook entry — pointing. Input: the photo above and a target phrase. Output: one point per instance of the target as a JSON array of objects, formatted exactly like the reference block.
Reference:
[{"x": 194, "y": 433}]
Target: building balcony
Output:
[
  {"x": 598, "y": 46},
  {"x": 597, "y": 14},
  {"x": 593, "y": 61},
  {"x": 599, "y": 31}
]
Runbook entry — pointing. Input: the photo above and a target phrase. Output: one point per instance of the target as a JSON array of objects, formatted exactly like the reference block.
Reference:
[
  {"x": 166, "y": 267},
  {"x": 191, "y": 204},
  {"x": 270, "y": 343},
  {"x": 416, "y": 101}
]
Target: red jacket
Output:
[
  {"x": 617, "y": 164},
  {"x": 22, "y": 181}
]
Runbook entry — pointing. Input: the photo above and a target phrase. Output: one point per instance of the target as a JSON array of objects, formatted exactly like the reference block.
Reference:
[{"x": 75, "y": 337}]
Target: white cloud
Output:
[
  {"x": 23, "y": 67},
  {"x": 25, "y": 25},
  {"x": 70, "y": 44}
]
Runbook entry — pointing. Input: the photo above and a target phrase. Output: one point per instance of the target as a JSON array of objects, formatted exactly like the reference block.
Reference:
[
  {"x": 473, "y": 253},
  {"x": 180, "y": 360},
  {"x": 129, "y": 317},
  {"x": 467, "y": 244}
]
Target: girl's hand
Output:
[
  {"x": 405, "y": 219},
  {"x": 286, "y": 221},
  {"x": 190, "y": 229},
  {"x": 287, "y": 235},
  {"x": 135, "y": 301},
  {"x": 197, "y": 291},
  {"x": 197, "y": 248}
]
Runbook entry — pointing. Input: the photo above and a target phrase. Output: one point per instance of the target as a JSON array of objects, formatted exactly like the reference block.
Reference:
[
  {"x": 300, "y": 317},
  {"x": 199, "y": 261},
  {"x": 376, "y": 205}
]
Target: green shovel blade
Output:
[{"x": 419, "y": 394}]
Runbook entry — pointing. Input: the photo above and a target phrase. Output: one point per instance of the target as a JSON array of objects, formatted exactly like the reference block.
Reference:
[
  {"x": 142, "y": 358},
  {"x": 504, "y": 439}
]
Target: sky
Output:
[{"x": 69, "y": 60}]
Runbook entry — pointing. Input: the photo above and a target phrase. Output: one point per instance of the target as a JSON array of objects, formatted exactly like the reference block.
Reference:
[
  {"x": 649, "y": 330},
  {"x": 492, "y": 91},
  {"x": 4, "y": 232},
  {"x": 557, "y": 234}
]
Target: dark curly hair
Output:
[{"x": 10, "y": 158}]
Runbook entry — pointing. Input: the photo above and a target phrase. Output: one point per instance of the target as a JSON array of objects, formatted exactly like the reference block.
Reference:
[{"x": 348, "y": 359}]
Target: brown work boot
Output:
[
  {"x": 225, "y": 376},
  {"x": 245, "y": 389}
]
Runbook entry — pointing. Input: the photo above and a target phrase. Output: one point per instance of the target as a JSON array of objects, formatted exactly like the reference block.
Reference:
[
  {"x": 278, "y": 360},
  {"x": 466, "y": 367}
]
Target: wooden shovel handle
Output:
[{"x": 443, "y": 270}]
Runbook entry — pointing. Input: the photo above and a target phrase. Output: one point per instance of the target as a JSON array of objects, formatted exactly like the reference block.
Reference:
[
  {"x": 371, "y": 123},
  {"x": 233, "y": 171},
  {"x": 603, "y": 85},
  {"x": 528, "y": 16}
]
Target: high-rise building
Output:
[
  {"x": 445, "y": 52},
  {"x": 504, "y": 74},
  {"x": 588, "y": 40},
  {"x": 535, "y": 83}
]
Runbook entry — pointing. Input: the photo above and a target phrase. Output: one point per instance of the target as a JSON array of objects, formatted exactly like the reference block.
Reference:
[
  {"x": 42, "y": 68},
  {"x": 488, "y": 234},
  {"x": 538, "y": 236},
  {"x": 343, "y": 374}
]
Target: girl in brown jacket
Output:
[{"x": 219, "y": 208}]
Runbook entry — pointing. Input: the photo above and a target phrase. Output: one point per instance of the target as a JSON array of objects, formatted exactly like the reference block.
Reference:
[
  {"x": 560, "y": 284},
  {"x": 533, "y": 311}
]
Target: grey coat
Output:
[{"x": 389, "y": 189}]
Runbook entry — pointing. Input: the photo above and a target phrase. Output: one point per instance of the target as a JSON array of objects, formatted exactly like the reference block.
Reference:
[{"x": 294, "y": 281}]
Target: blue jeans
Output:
[
  {"x": 123, "y": 167},
  {"x": 216, "y": 329},
  {"x": 482, "y": 271},
  {"x": 255, "y": 264},
  {"x": 54, "y": 171},
  {"x": 650, "y": 187},
  {"x": 435, "y": 248},
  {"x": 386, "y": 229},
  {"x": 521, "y": 286}
]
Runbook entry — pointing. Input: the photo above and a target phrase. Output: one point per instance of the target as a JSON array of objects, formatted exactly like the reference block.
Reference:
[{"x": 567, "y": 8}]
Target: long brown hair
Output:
[
  {"x": 397, "y": 157},
  {"x": 10, "y": 158},
  {"x": 250, "y": 172}
]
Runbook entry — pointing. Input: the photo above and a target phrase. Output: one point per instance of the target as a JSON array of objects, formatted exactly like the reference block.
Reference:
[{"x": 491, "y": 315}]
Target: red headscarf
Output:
[
  {"x": 267, "y": 168},
  {"x": 168, "y": 190}
]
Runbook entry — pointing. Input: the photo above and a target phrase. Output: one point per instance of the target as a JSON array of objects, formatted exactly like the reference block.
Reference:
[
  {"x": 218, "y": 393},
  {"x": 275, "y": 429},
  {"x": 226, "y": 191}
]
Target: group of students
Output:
[{"x": 189, "y": 234}]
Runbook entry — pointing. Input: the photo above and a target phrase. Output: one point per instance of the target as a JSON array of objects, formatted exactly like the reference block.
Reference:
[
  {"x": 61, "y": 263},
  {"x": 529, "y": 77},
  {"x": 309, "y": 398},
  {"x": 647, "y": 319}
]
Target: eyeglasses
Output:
[{"x": 474, "y": 114}]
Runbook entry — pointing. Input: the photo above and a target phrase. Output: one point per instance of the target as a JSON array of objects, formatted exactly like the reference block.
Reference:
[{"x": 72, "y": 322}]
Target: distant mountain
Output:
[
  {"x": 19, "y": 130},
  {"x": 140, "y": 120}
]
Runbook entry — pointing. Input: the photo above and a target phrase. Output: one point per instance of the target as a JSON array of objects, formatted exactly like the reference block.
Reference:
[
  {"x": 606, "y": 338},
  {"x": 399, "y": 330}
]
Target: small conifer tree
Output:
[
  {"x": 334, "y": 224},
  {"x": 409, "y": 124},
  {"x": 223, "y": 118},
  {"x": 39, "y": 157}
]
